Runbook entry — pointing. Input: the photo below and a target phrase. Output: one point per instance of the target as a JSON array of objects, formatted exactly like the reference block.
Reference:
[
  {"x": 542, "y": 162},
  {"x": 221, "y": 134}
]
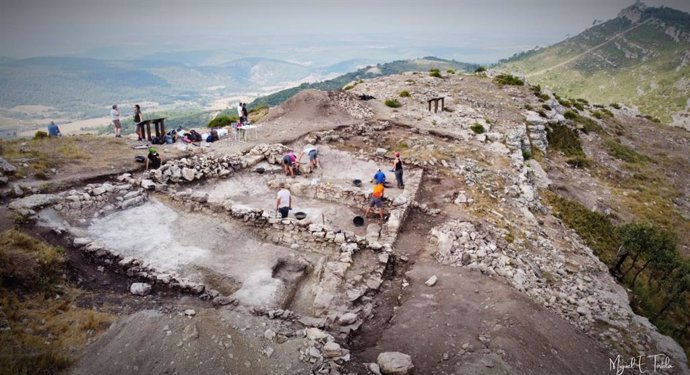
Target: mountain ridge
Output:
[{"x": 640, "y": 58}]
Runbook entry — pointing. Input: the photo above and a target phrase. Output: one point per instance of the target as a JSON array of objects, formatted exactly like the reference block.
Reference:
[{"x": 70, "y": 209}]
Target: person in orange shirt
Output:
[{"x": 376, "y": 200}]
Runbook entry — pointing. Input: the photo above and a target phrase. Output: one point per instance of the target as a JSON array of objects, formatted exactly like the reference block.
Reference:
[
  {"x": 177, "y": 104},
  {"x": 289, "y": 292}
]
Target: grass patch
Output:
[
  {"x": 404, "y": 94},
  {"x": 589, "y": 125},
  {"x": 450, "y": 71},
  {"x": 477, "y": 128},
  {"x": 564, "y": 139},
  {"x": 546, "y": 107},
  {"x": 598, "y": 114},
  {"x": 43, "y": 154},
  {"x": 41, "y": 330},
  {"x": 480, "y": 69},
  {"x": 625, "y": 153},
  {"x": 508, "y": 79},
  {"x": 435, "y": 73},
  {"x": 393, "y": 103},
  {"x": 570, "y": 115},
  {"x": 615, "y": 105},
  {"x": 526, "y": 154},
  {"x": 579, "y": 162},
  {"x": 578, "y": 105},
  {"x": 543, "y": 97}
]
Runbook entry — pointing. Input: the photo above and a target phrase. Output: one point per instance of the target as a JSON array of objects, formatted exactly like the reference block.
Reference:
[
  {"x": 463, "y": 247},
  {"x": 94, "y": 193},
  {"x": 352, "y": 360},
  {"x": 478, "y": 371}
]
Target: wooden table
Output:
[{"x": 158, "y": 126}]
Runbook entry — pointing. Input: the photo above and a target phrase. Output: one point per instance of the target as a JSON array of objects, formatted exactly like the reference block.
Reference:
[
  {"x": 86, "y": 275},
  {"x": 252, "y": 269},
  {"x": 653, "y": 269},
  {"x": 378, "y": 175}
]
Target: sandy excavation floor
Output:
[{"x": 201, "y": 248}]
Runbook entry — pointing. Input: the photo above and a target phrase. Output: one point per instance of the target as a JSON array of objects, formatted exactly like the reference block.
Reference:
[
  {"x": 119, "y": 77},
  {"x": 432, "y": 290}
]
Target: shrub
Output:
[
  {"x": 528, "y": 107},
  {"x": 349, "y": 87},
  {"x": 536, "y": 89},
  {"x": 546, "y": 107},
  {"x": 480, "y": 69},
  {"x": 564, "y": 139},
  {"x": 221, "y": 121},
  {"x": 404, "y": 94},
  {"x": 435, "y": 73},
  {"x": 477, "y": 128},
  {"x": 615, "y": 105},
  {"x": 543, "y": 97},
  {"x": 393, "y": 103},
  {"x": 598, "y": 115},
  {"x": 508, "y": 79},
  {"x": 625, "y": 153},
  {"x": 40, "y": 134},
  {"x": 606, "y": 112},
  {"x": 526, "y": 154},
  {"x": 450, "y": 71},
  {"x": 589, "y": 125},
  {"x": 542, "y": 113},
  {"x": 652, "y": 119},
  {"x": 570, "y": 115},
  {"x": 578, "y": 162},
  {"x": 583, "y": 101},
  {"x": 578, "y": 105},
  {"x": 564, "y": 102}
]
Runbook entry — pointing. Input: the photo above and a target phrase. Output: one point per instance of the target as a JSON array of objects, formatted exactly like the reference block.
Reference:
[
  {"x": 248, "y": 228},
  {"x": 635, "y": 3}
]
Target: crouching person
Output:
[{"x": 153, "y": 159}]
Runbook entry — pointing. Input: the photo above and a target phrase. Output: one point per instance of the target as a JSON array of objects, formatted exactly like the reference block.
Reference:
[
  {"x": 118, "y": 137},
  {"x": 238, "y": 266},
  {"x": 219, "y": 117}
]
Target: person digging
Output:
[
  {"x": 376, "y": 200},
  {"x": 289, "y": 160}
]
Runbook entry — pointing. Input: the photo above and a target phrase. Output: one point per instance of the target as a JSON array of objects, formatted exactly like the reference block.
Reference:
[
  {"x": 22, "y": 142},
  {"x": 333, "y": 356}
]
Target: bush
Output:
[
  {"x": 477, "y": 128},
  {"x": 435, "y": 73},
  {"x": 480, "y": 69},
  {"x": 542, "y": 113},
  {"x": 606, "y": 112},
  {"x": 450, "y": 71},
  {"x": 40, "y": 134},
  {"x": 404, "y": 94},
  {"x": 583, "y": 101},
  {"x": 393, "y": 103},
  {"x": 528, "y": 107},
  {"x": 564, "y": 102},
  {"x": 564, "y": 139},
  {"x": 652, "y": 119},
  {"x": 589, "y": 125},
  {"x": 526, "y": 154},
  {"x": 625, "y": 153},
  {"x": 578, "y": 105},
  {"x": 349, "y": 87},
  {"x": 615, "y": 105},
  {"x": 508, "y": 79},
  {"x": 222, "y": 121},
  {"x": 578, "y": 162},
  {"x": 570, "y": 115},
  {"x": 546, "y": 107},
  {"x": 598, "y": 115}
]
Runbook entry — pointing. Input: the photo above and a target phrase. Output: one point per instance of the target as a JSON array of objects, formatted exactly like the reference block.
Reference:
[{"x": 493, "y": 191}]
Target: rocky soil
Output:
[{"x": 477, "y": 275}]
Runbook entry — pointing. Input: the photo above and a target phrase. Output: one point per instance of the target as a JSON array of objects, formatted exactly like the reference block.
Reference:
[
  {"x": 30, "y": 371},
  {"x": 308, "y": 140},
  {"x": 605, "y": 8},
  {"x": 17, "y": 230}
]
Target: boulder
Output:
[
  {"x": 332, "y": 350},
  {"x": 33, "y": 202},
  {"x": 381, "y": 151},
  {"x": 140, "y": 289},
  {"x": 431, "y": 281},
  {"x": 6, "y": 167},
  {"x": 188, "y": 174},
  {"x": 395, "y": 363}
]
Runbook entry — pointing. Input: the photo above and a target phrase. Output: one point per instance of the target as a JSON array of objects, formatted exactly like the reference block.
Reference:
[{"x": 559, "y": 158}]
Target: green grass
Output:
[
  {"x": 393, "y": 103},
  {"x": 222, "y": 121},
  {"x": 450, "y": 71},
  {"x": 508, "y": 79},
  {"x": 546, "y": 107},
  {"x": 625, "y": 153},
  {"x": 570, "y": 115},
  {"x": 435, "y": 73},
  {"x": 477, "y": 128},
  {"x": 404, "y": 94},
  {"x": 480, "y": 69}
]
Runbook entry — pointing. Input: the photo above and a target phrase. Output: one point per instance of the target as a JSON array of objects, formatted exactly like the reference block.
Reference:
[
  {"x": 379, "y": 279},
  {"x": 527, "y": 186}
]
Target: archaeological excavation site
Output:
[{"x": 474, "y": 268}]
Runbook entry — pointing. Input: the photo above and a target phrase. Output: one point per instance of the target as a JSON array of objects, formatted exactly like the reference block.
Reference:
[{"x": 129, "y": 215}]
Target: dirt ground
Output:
[{"x": 468, "y": 323}]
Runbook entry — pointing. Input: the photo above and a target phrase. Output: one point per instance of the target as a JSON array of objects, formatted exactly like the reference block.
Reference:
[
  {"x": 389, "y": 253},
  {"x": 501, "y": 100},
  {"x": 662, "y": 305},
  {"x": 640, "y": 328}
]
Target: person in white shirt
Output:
[
  {"x": 239, "y": 112},
  {"x": 313, "y": 153},
  {"x": 115, "y": 115},
  {"x": 283, "y": 201}
]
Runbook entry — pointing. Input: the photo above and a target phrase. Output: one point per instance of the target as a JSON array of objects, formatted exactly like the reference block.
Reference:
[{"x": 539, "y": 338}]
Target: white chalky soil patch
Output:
[{"x": 198, "y": 248}]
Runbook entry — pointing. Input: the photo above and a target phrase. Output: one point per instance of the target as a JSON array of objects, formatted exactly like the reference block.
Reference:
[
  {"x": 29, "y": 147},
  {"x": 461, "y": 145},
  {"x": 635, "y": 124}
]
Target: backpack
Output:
[
  {"x": 158, "y": 140},
  {"x": 194, "y": 136}
]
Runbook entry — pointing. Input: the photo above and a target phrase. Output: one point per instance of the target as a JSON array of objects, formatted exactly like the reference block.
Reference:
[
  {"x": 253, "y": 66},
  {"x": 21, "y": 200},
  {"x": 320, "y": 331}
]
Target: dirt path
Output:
[{"x": 568, "y": 61}]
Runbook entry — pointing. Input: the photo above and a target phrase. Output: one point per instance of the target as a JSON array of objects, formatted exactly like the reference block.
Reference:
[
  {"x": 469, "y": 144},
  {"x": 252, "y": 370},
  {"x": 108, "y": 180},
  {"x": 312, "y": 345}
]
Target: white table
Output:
[{"x": 245, "y": 128}]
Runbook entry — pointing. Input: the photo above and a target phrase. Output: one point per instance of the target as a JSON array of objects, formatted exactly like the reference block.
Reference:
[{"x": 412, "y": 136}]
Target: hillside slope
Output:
[{"x": 639, "y": 58}]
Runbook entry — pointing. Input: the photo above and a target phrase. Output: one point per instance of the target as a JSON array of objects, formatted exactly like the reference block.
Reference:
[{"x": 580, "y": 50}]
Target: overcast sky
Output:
[{"x": 72, "y": 27}]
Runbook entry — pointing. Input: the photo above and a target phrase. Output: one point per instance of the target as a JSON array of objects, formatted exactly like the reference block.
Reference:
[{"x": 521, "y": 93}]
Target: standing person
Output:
[
  {"x": 239, "y": 112},
  {"x": 289, "y": 163},
  {"x": 313, "y": 153},
  {"x": 245, "y": 114},
  {"x": 137, "y": 122},
  {"x": 283, "y": 201},
  {"x": 115, "y": 115},
  {"x": 153, "y": 159},
  {"x": 398, "y": 169},
  {"x": 376, "y": 200},
  {"x": 53, "y": 130}
]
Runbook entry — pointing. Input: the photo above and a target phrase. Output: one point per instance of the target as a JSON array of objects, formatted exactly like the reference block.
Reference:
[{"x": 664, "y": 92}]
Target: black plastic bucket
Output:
[{"x": 358, "y": 221}]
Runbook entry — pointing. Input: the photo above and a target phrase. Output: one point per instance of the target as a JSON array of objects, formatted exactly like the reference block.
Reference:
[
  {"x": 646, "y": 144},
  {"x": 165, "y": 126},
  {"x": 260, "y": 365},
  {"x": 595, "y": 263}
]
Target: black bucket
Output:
[
  {"x": 358, "y": 221},
  {"x": 357, "y": 182},
  {"x": 300, "y": 215}
]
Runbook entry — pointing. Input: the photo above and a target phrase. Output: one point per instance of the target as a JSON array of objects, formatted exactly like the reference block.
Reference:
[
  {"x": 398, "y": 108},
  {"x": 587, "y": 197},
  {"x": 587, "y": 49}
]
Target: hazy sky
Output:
[{"x": 73, "y": 27}]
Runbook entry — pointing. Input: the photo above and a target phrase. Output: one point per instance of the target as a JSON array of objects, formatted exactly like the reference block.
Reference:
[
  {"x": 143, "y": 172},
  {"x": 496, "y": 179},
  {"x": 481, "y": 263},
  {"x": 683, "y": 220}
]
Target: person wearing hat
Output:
[
  {"x": 153, "y": 159},
  {"x": 398, "y": 169}
]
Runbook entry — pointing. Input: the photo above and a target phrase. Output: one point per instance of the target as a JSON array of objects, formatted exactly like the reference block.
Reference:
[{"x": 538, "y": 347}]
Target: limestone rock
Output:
[
  {"x": 332, "y": 350},
  {"x": 395, "y": 363},
  {"x": 33, "y": 202},
  {"x": 140, "y": 289},
  {"x": 431, "y": 281},
  {"x": 188, "y": 174}
]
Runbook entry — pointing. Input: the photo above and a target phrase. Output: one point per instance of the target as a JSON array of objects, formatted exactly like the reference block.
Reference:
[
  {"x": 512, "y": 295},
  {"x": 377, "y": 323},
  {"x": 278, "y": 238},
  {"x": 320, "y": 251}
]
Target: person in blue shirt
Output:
[
  {"x": 379, "y": 177},
  {"x": 53, "y": 130}
]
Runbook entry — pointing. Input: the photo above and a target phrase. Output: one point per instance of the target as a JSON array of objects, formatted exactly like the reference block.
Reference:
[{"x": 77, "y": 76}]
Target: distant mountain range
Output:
[
  {"x": 640, "y": 58},
  {"x": 86, "y": 86},
  {"x": 372, "y": 71}
]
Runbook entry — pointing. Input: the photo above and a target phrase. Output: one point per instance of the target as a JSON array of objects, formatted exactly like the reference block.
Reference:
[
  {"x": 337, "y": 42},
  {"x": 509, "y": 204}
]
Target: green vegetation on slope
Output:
[
  {"x": 395, "y": 67},
  {"x": 644, "y": 68}
]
